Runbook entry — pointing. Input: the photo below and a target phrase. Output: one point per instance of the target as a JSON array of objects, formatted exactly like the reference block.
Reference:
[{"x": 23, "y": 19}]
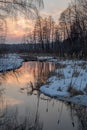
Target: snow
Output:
[
  {"x": 74, "y": 74},
  {"x": 9, "y": 62},
  {"x": 44, "y": 58},
  {"x": 68, "y": 73},
  {"x": 80, "y": 99}
]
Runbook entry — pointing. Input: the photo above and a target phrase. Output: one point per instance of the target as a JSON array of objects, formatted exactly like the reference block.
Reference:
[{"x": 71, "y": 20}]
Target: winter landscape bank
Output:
[
  {"x": 10, "y": 62},
  {"x": 67, "y": 83}
]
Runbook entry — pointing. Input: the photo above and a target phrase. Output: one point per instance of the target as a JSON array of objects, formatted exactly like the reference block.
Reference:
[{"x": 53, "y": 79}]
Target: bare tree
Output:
[
  {"x": 73, "y": 23},
  {"x": 14, "y": 8}
]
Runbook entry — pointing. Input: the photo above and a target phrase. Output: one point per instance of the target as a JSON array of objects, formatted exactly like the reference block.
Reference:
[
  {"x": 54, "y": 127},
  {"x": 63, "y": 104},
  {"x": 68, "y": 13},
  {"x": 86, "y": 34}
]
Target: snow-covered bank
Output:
[
  {"x": 69, "y": 83},
  {"x": 10, "y": 62},
  {"x": 44, "y": 58}
]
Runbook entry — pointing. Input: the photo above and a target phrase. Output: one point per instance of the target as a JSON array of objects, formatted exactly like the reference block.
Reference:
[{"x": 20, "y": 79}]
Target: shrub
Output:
[
  {"x": 75, "y": 73},
  {"x": 74, "y": 91}
]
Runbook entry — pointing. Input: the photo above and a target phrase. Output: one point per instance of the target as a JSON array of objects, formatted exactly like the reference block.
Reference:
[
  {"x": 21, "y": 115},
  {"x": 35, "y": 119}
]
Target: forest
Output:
[{"x": 68, "y": 37}]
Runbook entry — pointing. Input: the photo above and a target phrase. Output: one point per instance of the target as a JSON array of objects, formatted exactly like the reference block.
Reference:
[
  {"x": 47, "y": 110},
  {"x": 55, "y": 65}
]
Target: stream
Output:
[{"x": 21, "y": 99}]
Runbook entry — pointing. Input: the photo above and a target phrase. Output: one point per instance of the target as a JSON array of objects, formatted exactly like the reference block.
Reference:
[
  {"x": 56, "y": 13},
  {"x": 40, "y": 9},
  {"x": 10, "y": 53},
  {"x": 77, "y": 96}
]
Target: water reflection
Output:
[
  {"x": 81, "y": 112},
  {"x": 30, "y": 76},
  {"x": 23, "y": 107}
]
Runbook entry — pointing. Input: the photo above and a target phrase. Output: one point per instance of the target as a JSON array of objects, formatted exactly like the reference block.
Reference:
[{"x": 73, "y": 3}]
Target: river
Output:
[{"x": 21, "y": 101}]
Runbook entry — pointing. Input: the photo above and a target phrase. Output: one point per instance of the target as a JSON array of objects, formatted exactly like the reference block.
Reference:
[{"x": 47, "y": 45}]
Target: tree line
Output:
[
  {"x": 45, "y": 33},
  {"x": 68, "y": 37},
  {"x": 73, "y": 24}
]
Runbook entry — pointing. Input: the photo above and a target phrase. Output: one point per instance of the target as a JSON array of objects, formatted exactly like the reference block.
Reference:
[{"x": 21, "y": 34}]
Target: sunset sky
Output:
[{"x": 17, "y": 29}]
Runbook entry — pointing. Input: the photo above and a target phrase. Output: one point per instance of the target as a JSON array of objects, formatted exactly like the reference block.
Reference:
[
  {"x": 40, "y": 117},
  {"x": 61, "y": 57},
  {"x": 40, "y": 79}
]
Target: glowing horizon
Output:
[{"x": 17, "y": 29}]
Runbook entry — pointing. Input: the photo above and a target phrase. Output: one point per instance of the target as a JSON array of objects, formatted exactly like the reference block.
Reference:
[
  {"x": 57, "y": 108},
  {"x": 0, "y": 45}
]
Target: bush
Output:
[{"x": 74, "y": 91}]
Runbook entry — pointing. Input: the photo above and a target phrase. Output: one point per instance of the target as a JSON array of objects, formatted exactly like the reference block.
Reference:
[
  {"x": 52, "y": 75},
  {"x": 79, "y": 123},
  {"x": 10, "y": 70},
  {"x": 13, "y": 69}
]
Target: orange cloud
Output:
[{"x": 18, "y": 28}]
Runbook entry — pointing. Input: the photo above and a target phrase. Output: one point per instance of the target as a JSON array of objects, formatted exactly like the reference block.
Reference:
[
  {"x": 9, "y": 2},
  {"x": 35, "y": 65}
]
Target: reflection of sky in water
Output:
[
  {"x": 29, "y": 72},
  {"x": 52, "y": 113}
]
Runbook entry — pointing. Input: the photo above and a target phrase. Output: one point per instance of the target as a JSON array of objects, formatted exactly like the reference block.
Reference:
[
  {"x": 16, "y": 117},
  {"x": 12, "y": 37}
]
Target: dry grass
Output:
[
  {"x": 75, "y": 73},
  {"x": 59, "y": 89},
  {"x": 74, "y": 91},
  {"x": 85, "y": 88},
  {"x": 60, "y": 66},
  {"x": 83, "y": 65},
  {"x": 60, "y": 75},
  {"x": 53, "y": 73}
]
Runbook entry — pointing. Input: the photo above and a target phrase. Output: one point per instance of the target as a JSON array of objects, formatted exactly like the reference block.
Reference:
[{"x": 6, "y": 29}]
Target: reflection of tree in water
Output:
[
  {"x": 81, "y": 113},
  {"x": 78, "y": 115},
  {"x": 37, "y": 74},
  {"x": 36, "y": 126},
  {"x": 11, "y": 119},
  {"x": 60, "y": 109},
  {"x": 38, "y": 70},
  {"x": 14, "y": 122},
  {"x": 2, "y": 109}
]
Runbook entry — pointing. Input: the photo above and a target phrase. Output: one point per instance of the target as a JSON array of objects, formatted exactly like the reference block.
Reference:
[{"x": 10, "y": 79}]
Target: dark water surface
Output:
[{"x": 20, "y": 98}]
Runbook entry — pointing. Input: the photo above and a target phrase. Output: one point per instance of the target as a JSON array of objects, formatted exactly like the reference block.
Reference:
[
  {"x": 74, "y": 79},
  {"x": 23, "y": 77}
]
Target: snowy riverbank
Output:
[
  {"x": 10, "y": 62},
  {"x": 69, "y": 82}
]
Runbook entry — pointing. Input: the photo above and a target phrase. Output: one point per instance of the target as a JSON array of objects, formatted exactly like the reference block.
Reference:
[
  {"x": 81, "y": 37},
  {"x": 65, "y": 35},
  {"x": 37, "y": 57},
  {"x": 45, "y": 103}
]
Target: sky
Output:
[
  {"x": 16, "y": 30},
  {"x": 54, "y": 8}
]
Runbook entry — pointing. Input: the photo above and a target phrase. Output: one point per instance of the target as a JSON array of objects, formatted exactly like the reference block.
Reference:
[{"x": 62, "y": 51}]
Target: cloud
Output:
[
  {"x": 54, "y": 13},
  {"x": 18, "y": 28}
]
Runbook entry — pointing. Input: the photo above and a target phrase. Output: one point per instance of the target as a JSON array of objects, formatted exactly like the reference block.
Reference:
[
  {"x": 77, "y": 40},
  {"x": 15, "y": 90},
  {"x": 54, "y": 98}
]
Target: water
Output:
[{"x": 21, "y": 99}]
